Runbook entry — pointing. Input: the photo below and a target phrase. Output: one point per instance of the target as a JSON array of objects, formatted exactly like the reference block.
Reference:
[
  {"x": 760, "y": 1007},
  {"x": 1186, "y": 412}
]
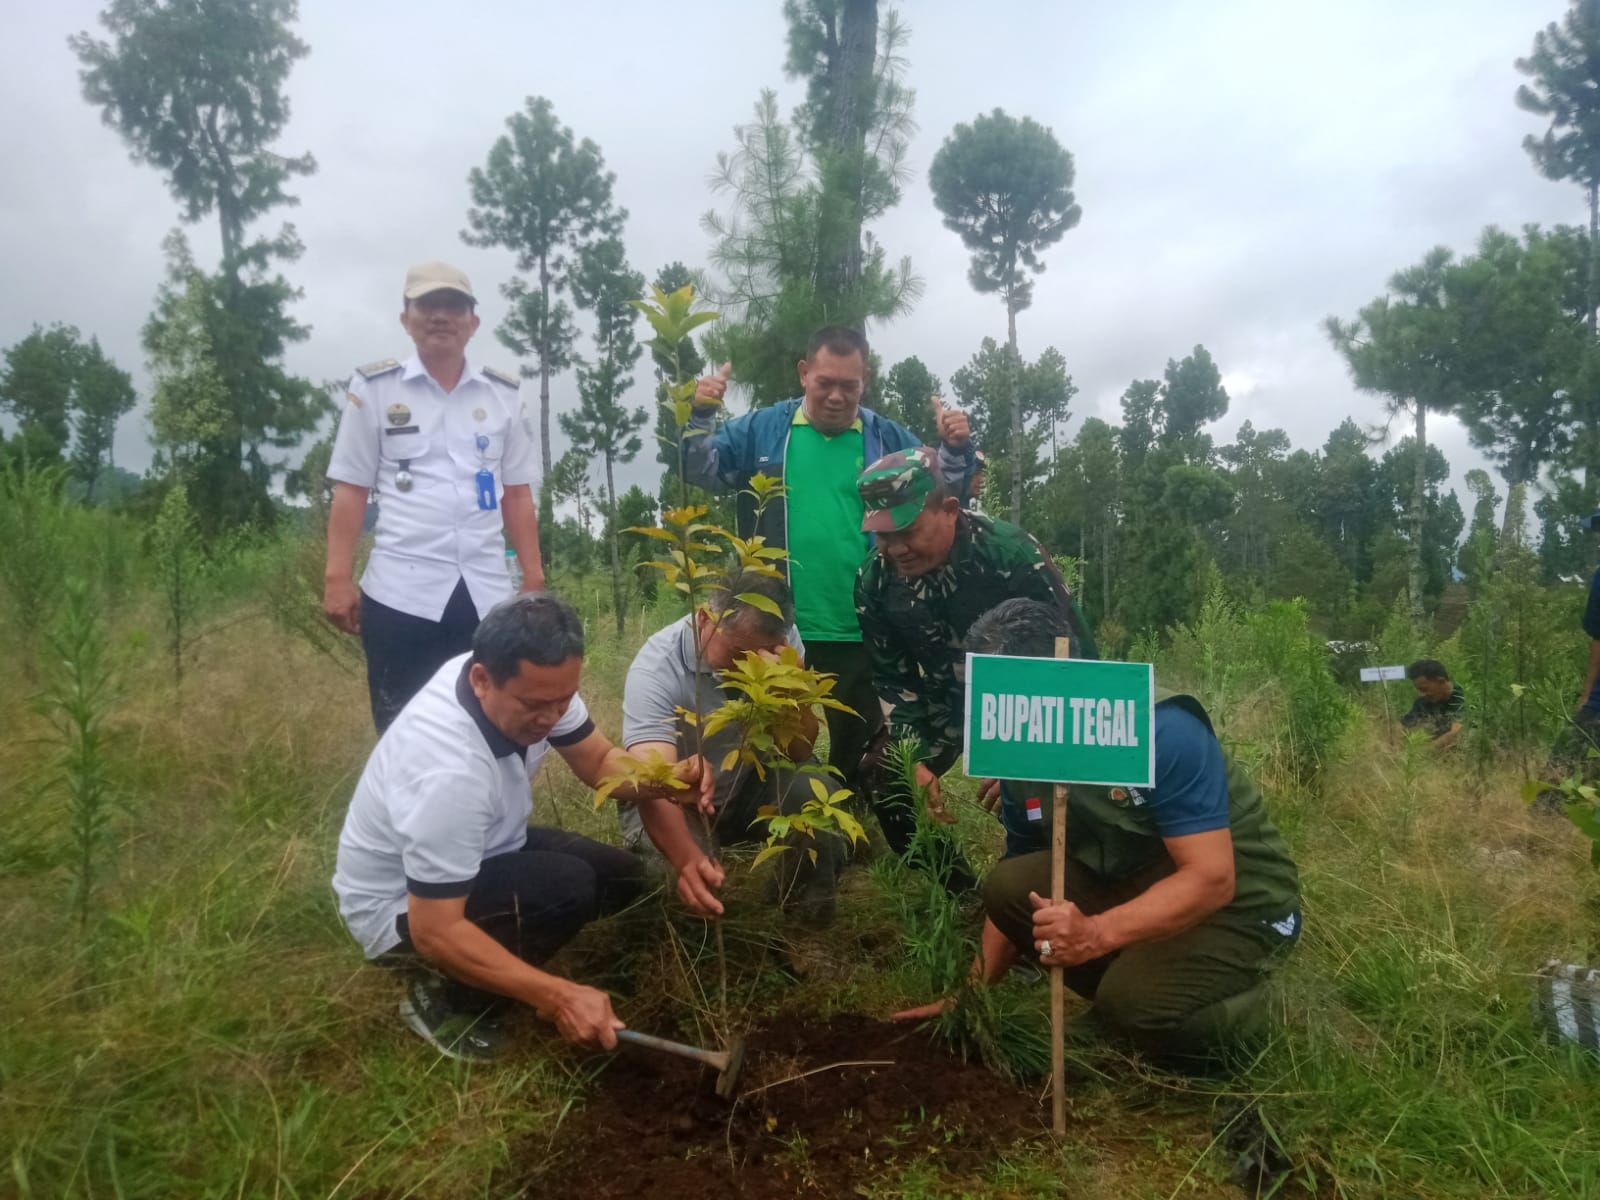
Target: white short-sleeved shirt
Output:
[
  {"x": 443, "y": 790},
  {"x": 434, "y": 534}
]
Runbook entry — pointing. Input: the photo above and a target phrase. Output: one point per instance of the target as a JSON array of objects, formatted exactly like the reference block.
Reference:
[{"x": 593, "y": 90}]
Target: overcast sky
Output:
[{"x": 1245, "y": 167}]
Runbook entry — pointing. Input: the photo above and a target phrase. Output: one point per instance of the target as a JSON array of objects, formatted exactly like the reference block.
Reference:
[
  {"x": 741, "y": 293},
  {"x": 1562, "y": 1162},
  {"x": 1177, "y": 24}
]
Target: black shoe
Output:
[
  {"x": 1027, "y": 971},
  {"x": 813, "y": 908},
  {"x": 970, "y": 906},
  {"x": 454, "y": 1032}
]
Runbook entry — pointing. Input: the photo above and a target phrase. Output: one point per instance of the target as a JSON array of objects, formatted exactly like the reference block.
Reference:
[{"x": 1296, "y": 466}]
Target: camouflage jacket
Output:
[{"x": 914, "y": 628}]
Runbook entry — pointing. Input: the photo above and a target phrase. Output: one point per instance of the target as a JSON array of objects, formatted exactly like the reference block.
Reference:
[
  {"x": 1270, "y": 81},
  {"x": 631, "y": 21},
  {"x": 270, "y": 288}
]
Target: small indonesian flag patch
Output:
[{"x": 1035, "y": 807}]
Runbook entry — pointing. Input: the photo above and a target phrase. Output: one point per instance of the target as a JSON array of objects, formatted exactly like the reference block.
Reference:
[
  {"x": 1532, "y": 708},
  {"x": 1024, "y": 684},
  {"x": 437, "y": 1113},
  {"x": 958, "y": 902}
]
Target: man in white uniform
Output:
[
  {"x": 448, "y": 448},
  {"x": 439, "y": 872}
]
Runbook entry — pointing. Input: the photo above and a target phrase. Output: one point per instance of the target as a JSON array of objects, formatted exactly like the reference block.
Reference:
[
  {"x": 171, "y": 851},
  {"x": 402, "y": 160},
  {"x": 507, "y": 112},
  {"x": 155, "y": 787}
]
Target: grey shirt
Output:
[{"x": 663, "y": 679}]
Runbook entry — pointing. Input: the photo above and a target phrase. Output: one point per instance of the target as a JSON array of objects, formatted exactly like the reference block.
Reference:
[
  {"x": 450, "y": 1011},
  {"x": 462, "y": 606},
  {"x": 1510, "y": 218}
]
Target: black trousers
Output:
[
  {"x": 535, "y": 900},
  {"x": 848, "y": 739},
  {"x": 404, "y": 651},
  {"x": 848, "y": 735}
]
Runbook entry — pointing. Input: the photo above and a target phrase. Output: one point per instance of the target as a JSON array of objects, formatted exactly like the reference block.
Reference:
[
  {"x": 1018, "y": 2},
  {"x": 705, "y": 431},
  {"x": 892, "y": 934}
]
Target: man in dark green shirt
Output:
[
  {"x": 1439, "y": 706},
  {"x": 937, "y": 569},
  {"x": 1179, "y": 898}
]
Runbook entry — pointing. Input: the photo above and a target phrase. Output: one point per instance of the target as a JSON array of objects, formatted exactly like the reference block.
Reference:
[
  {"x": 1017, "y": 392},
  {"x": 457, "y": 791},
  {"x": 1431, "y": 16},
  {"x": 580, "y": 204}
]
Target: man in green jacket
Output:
[
  {"x": 817, "y": 444},
  {"x": 1179, "y": 898}
]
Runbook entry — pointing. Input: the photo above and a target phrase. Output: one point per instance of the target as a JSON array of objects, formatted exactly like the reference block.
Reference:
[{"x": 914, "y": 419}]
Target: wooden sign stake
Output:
[{"x": 1058, "y": 987}]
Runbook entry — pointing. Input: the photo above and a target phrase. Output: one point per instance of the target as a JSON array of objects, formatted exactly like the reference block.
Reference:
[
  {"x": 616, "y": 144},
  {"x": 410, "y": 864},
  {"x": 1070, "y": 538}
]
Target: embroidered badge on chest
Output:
[{"x": 398, "y": 414}]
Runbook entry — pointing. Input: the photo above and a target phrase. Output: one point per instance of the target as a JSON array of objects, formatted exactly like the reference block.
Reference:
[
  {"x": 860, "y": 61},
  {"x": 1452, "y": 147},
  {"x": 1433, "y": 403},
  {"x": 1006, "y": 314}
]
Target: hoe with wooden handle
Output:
[{"x": 729, "y": 1063}]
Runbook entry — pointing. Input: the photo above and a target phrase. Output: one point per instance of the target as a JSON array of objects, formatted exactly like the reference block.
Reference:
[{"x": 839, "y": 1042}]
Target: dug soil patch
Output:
[{"x": 652, "y": 1127}]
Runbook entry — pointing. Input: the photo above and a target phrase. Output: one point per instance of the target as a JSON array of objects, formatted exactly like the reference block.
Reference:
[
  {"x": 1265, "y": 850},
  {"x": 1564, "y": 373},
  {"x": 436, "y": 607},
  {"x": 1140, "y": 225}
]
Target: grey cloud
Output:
[{"x": 1245, "y": 169}]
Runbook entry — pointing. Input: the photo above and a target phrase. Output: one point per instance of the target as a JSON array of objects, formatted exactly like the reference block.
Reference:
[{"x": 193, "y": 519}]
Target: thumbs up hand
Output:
[
  {"x": 708, "y": 393},
  {"x": 954, "y": 431}
]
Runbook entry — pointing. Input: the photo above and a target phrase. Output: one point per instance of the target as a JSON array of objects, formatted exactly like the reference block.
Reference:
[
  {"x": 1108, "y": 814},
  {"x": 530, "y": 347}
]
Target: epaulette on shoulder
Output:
[
  {"x": 511, "y": 381},
  {"x": 382, "y": 367}
]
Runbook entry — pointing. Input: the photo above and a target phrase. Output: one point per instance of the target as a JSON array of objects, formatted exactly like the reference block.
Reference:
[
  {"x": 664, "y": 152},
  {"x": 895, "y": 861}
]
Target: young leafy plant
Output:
[
  {"x": 824, "y": 813},
  {"x": 651, "y": 770},
  {"x": 774, "y": 695}
]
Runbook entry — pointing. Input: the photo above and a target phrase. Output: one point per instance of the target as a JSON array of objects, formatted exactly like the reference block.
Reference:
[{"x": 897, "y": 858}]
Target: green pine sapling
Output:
[{"x": 82, "y": 690}]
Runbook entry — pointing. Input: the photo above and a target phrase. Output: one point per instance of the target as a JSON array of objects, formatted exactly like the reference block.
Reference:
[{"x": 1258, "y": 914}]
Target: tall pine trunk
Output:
[
  {"x": 1513, "y": 525},
  {"x": 544, "y": 364},
  {"x": 1592, "y": 291},
  {"x": 1592, "y": 302},
  {"x": 1016, "y": 412},
  {"x": 615, "y": 539},
  {"x": 851, "y": 99},
  {"x": 1105, "y": 569},
  {"x": 1418, "y": 509}
]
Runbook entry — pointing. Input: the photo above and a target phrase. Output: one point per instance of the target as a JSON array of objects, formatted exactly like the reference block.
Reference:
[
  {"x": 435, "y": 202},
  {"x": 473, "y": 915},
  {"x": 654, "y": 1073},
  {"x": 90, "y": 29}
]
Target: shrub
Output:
[
  {"x": 1284, "y": 649},
  {"x": 175, "y": 549},
  {"x": 36, "y": 531},
  {"x": 80, "y": 693}
]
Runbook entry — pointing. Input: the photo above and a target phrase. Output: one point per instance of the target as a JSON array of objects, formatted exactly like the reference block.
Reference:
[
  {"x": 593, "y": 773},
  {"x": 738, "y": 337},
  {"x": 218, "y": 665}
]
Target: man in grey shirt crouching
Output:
[{"x": 667, "y": 679}]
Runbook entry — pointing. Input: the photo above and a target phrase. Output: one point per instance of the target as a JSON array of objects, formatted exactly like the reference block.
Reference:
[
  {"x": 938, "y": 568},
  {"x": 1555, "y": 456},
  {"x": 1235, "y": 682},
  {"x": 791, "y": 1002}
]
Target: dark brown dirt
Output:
[{"x": 653, "y": 1128}]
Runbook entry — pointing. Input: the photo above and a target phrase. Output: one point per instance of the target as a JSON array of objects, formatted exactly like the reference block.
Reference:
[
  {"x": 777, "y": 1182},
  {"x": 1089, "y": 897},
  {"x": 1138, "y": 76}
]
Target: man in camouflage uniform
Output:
[{"x": 938, "y": 567}]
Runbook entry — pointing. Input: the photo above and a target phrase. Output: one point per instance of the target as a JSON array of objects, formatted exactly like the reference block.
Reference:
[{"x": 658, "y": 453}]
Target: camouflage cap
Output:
[{"x": 895, "y": 488}]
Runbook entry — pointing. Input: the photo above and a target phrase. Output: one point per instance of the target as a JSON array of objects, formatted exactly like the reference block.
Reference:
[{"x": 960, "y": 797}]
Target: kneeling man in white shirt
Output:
[{"x": 439, "y": 871}]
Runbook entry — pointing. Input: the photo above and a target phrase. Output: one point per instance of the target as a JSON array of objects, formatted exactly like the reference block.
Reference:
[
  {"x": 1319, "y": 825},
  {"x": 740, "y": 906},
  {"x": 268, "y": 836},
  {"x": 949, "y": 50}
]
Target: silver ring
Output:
[{"x": 1044, "y": 949}]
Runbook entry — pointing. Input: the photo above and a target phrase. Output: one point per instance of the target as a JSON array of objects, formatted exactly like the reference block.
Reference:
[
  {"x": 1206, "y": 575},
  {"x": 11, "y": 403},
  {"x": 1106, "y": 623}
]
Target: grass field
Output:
[{"x": 214, "y": 1032}]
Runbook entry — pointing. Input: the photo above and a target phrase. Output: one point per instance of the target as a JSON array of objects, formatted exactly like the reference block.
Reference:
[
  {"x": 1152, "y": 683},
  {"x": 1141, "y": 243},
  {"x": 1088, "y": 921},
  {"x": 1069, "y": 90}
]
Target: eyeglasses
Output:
[{"x": 849, "y": 388}]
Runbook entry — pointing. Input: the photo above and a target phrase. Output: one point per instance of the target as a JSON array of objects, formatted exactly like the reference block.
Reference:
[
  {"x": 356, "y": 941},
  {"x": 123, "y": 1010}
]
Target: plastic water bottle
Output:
[{"x": 514, "y": 569}]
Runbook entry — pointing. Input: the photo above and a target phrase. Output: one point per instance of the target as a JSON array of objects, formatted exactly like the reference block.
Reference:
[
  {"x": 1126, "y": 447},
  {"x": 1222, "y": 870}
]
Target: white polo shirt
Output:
[
  {"x": 435, "y": 533},
  {"x": 443, "y": 790}
]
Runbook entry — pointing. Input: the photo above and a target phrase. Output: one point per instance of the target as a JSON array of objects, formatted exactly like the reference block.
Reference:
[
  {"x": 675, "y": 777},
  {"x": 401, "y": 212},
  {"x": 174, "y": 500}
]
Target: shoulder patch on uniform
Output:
[
  {"x": 509, "y": 380},
  {"x": 382, "y": 367},
  {"x": 353, "y": 398}
]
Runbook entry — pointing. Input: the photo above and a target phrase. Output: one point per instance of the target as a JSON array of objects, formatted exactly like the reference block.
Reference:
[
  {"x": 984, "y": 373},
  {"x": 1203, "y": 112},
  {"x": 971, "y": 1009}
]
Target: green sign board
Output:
[{"x": 1061, "y": 720}]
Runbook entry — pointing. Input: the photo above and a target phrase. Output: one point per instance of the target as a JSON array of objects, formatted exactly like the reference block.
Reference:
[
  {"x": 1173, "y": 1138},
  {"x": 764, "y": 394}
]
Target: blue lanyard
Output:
[{"x": 487, "y": 500}]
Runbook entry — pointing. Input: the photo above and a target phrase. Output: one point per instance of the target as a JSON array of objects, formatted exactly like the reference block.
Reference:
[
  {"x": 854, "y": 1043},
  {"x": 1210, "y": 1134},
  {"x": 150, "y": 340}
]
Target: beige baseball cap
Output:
[{"x": 436, "y": 277}]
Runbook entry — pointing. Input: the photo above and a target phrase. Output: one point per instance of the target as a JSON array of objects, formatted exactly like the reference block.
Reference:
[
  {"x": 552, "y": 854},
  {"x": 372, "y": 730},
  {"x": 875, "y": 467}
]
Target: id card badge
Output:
[{"x": 485, "y": 477}]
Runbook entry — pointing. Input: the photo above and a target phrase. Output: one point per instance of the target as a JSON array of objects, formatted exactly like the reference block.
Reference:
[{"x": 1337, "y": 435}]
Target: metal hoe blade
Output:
[{"x": 729, "y": 1063}]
